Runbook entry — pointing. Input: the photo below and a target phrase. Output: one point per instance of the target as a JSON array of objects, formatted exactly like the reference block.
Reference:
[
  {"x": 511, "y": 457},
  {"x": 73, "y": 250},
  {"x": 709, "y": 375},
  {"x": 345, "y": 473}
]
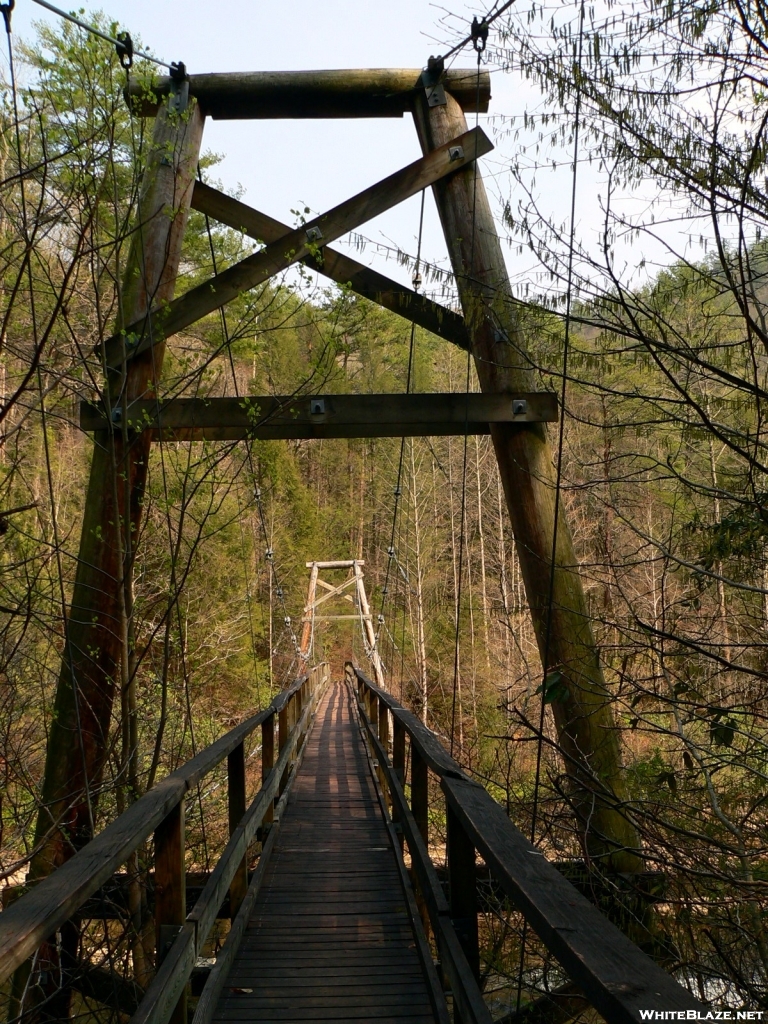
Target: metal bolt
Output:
[
  {"x": 314, "y": 234},
  {"x": 456, "y": 153},
  {"x": 519, "y": 407}
]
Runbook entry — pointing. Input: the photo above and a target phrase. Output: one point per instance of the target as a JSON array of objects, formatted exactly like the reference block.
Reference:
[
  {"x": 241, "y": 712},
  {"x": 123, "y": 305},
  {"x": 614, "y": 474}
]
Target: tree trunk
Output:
[
  {"x": 95, "y": 628},
  {"x": 586, "y": 730}
]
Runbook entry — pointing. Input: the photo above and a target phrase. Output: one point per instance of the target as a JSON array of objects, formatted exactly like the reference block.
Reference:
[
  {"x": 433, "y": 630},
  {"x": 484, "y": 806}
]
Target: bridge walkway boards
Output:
[{"x": 330, "y": 937}]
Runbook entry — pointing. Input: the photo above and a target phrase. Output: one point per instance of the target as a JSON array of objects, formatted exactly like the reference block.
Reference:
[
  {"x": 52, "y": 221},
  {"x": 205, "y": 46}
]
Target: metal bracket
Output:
[
  {"x": 178, "y": 98},
  {"x": 431, "y": 81},
  {"x": 519, "y": 407},
  {"x": 317, "y": 407},
  {"x": 168, "y": 934},
  {"x": 314, "y": 234}
]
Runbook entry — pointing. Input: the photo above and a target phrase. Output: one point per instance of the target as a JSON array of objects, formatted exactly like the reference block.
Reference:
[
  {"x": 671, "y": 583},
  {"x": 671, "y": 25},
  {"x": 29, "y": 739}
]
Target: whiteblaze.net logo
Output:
[{"x": 698, "y": 1015}]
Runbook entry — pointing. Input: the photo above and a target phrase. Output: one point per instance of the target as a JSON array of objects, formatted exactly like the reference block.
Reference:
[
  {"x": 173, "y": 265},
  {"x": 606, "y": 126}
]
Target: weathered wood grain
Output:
[
  {"x": 37, "y": 914},
  {"x": 463, "y": 979},
  {"x": 268, "y": 417},
  {"x": 180, "y": 313},
  {"x": 333, "y": 907},
  {"x": 560, "y": 612},
  {"x": 367, "y": 92},
  {"x": 337, "y": 266},
  {"x": 614, "y": 974}
]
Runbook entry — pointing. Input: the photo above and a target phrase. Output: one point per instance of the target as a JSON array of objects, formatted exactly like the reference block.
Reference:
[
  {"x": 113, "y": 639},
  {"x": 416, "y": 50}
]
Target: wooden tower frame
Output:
[{"x": 131, "y": 415}]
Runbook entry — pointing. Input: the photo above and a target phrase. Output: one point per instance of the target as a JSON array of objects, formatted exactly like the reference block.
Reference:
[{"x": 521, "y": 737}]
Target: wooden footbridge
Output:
[
  {"x": 336, "y": 910},
  {"x": 329, "y": 925}
]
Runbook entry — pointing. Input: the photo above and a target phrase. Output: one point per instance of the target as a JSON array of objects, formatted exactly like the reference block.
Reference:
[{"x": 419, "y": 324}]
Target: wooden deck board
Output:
[{"x": 329, "y": 938}]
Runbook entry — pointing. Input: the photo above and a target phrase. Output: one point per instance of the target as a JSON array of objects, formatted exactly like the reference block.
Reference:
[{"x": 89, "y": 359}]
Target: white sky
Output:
[{"x": 284, "y": 164}]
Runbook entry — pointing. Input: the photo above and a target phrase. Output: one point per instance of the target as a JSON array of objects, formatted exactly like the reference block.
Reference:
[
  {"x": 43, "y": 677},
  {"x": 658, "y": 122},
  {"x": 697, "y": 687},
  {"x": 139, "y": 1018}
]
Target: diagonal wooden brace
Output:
[
  {"x": 337, "y": 266},
  {"x": 294, "y": 246}
]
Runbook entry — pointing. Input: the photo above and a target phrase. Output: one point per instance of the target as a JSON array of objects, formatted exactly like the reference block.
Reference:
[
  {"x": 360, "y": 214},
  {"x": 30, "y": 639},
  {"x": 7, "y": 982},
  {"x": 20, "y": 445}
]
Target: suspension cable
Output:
[
  {"x": 558, "y": 480},
  {"x": 479, "y": 43},
  {"x": 391, "y": 552},
  {"x": 479, "y": 31},
  {"x": 120, "y": 44}
]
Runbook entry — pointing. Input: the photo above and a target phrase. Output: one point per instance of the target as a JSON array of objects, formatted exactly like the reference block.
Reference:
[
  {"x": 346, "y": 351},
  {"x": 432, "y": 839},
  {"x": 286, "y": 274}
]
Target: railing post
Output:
[
  {"x": 268, "y": 759},
  {"x": 420, "y": 810},
  {"x": 419, "y": 793},
  {"x": 373, "y": 716},
  {"x": 236, "y": 780},
  {"x": 384, "y": 740},
  {"x": 398, "y": 750},
  {"x": 462, "y": 881},
  {"x": 398, "y": 766},
  {"x": 170, "y": 891},
  {"x": 283, "y": 729}
]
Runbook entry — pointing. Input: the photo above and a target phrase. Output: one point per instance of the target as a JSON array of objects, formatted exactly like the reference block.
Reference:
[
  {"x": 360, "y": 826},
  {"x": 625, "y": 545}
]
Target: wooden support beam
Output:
[
  {"x": 314, "y": 416},
  {"x": 334, "y": 618},
  {"x": 339, "y": 268},
  {"x": 561, "y": 616},
  {"x": 370, "y": 633},
  {"x": 346, "y": 564},
  {"x": 306, "y": 629},
  {"x": 334, "y": 592},
  {"x": 82, "y": 717},
  {"x": 267, "y": 95},
  {"x": 162, "y": 322}
]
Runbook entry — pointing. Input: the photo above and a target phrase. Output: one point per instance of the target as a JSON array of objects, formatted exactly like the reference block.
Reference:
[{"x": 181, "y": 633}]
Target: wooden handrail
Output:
[
  {"x": 166, "y": 988},
  {"x": 35, "y": 916},
  {"x": 617, "y": 977}
]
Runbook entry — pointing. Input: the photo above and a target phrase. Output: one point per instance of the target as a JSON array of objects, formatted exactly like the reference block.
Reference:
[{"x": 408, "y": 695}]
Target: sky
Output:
[{"x": 284, "y": 165}]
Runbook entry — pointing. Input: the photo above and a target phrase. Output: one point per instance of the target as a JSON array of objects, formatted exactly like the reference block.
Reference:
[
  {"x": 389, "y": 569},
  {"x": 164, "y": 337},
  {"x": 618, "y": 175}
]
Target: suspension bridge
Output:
[{"x": 335, "y": 904}]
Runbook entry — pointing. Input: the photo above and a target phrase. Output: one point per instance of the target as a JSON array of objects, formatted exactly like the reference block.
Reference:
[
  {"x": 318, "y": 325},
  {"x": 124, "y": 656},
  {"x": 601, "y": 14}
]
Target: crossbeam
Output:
[
  {"x": 296, "y": 245},
  {"x": 337, "y": 266},
  {"x": 260, "y": 95},
  {"x": 313, "y": 416}
]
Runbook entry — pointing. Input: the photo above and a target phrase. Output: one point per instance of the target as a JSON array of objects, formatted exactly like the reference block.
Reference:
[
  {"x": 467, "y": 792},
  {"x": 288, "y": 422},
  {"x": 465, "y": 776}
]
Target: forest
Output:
[{"x": 662, "y": 379}]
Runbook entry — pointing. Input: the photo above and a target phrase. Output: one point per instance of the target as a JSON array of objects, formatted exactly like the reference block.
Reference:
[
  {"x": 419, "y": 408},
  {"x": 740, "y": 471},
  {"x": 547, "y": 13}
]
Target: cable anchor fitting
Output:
[
  {"x": 7, "y": 10},
  {"x": 479, "y": 34},
  {"x": 124, "y": 48},
  {"x": 178, "y": 100},
  {"x": 430, "y": 81}
]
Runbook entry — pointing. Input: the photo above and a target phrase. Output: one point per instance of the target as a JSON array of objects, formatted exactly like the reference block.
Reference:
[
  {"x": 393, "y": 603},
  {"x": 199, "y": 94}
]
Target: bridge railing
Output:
[
  {"x": 36, "y": 916},
  {"x": 616, "y": 977}
]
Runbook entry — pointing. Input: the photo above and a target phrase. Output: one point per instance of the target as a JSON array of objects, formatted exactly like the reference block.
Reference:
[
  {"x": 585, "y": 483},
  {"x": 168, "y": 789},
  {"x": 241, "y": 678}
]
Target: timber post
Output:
[
  {"x": 586, "y": 730},
  {"x": 96, "y": 633}
]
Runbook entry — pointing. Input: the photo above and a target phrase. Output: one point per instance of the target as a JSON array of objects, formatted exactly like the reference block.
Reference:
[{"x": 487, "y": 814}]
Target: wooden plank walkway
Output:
[{"x": 330, "y": 937}]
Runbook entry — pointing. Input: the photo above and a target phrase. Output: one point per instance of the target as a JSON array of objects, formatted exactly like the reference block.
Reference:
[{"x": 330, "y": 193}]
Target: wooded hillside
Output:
[{"x": 662, "y": 468}]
